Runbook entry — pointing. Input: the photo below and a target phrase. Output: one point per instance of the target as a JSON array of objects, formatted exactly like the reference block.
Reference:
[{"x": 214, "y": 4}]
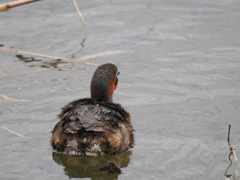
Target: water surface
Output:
[{"x": 180, "y": 80}]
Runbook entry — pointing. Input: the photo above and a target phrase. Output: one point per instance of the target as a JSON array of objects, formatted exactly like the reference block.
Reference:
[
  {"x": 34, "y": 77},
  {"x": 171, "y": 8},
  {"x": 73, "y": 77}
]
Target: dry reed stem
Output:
[
  {"x": 4, "y": 7},
  {"x": 235, "y": 156},
  {"x": 80, "y": 60},
  {"x": 9, "y": 99},
  {"x": 15, "y": 77},
  {"x": 229, "y": 144},
  {"x": 40, "y": 55},
  {"x": 25, "y": 72},
  {"x": 19, "y": 2},
  {"x": 34, "y": 54},
  {"x": 79, "y": 13},
  {"x": 9, "y": 130},
  {"x": 91, "y": 64},
  {"x": 232, "y": 151},
  {"x": 9, "y": 124},
  {"x": 107, "y": 53}
]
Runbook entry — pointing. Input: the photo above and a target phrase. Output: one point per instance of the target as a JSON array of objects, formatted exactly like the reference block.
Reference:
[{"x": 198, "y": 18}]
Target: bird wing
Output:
[{"x": 90, "y": 117}]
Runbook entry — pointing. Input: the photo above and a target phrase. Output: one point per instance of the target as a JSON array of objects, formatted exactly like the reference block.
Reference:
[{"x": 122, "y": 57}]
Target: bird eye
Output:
[{"x": 117, "y": 73}]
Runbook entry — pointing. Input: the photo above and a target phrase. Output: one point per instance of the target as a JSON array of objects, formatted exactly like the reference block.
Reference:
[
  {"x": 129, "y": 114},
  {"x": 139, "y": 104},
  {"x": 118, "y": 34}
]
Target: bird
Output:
[{"x": 96, "y": 125}]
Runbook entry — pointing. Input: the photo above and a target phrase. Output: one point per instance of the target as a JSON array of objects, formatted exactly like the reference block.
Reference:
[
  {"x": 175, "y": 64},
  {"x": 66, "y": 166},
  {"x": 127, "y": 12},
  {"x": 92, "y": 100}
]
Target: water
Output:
[{"x": 180, "y": 80}]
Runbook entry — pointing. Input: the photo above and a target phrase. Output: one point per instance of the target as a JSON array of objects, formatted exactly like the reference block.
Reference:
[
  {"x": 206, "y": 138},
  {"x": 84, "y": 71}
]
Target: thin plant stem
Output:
[
  {"x": 9, "y": 130},
  {"x": 79, "y": 13}
]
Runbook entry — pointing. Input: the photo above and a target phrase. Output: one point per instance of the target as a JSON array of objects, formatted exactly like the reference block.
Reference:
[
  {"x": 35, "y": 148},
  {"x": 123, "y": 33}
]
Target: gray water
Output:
[{"x": 180, "y": 81}]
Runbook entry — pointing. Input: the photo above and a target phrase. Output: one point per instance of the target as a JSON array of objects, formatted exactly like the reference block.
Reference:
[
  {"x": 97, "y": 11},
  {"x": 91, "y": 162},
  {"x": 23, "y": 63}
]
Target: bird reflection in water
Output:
[{"x": 100, "y": 167}]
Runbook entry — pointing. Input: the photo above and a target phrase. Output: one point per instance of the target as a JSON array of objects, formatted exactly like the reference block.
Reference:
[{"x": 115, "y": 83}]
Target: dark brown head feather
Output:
[{"x": 104, "y": 82}]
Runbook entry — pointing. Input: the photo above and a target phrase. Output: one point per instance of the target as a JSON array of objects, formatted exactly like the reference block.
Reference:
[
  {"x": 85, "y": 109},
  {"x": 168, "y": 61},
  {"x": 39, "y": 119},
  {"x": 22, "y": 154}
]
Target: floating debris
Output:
[
  {"x": 25, "y": 72},
  {"x": 236, "y": 175},
  {"x": 9, "y": 130},
  {"x": 9, "y": 99},
  {"x": 4, "y": 7},
  {"x": 232, "y": 151},
  {"x": 79, "y": 13},
  {"x": 80, "y": 60},
  {"x": 107, "y": 53},
  {"x": 34, "y": 54}
]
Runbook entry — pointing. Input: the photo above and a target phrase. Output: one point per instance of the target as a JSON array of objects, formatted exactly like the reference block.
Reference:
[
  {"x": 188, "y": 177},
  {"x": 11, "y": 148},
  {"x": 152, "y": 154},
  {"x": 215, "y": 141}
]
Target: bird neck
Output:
[{"x": 101, "y": 91}]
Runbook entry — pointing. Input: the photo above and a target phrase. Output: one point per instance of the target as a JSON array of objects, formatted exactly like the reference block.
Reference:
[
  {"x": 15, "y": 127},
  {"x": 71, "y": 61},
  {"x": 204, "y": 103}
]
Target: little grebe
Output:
[{"x": 95, "y": 125}]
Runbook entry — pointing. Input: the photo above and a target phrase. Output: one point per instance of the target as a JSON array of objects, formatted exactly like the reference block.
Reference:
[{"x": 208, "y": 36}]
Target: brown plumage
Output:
[{"x": 95, "y": 125}]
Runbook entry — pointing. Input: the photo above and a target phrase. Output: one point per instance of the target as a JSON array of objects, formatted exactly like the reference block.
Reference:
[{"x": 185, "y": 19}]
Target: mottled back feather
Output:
[{"x": 91, "y": 115}]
